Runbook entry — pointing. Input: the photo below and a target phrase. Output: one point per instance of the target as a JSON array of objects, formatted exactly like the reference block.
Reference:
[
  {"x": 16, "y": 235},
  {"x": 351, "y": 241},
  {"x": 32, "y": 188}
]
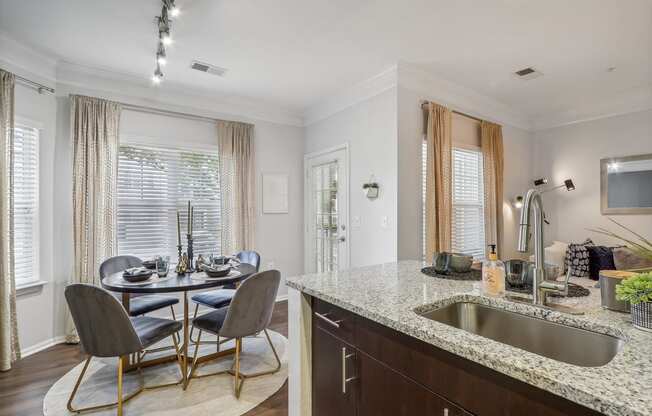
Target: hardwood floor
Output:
[{"x": 22, "y": 389}]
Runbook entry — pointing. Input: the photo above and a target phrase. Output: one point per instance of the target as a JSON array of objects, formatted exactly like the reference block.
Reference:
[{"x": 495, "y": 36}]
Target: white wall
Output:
[
  {"x": 369, "y": 128},
  {"x": 518, "y": 158},
  {"x": 34, "y": 306},
  {"x": 574, "y": 152}
]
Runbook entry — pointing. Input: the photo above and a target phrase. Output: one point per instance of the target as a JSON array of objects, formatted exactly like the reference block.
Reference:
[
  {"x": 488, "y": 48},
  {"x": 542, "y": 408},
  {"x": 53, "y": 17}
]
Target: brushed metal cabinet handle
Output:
[
  {"x": 323, "y": 317},
  {"x": 345, "y": 380}
]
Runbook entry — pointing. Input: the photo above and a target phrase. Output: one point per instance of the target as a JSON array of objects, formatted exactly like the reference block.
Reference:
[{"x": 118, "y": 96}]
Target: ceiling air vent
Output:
[
  {"x": 208, "y": 68},
  {"x": 528, "y": 73}
]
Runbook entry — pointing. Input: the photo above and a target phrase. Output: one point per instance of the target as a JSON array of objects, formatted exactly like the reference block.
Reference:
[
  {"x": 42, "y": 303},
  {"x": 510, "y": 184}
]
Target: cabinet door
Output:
[
  {"x": 333, "y": 372},
  {"x": 384, "y": 392}
]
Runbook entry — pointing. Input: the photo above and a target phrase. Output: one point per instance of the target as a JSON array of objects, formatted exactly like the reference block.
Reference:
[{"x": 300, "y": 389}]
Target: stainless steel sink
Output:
[{"x": 559, "y": 342}]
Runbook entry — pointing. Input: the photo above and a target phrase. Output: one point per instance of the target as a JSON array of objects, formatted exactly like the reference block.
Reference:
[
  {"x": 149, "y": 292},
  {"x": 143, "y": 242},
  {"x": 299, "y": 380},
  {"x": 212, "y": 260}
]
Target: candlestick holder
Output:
[{"x": 191, "y": 255}]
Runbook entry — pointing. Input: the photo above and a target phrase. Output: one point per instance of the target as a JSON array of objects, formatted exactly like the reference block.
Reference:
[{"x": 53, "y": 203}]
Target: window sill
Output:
[{"x": 30, "y": 287}]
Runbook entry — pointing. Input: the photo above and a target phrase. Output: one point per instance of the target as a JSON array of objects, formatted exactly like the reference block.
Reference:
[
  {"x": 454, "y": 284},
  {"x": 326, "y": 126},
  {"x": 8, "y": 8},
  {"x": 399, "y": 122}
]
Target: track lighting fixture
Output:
[{"x": 164, "y": 37}]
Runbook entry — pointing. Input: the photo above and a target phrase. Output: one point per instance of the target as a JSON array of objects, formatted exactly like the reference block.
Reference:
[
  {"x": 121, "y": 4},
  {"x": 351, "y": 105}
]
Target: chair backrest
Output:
[
  {"x": 249, "y": 257},
  {"x": 252, "y": 305},
  {"x": 117, "y": 264},
  {"x": 103, "y": 326}
]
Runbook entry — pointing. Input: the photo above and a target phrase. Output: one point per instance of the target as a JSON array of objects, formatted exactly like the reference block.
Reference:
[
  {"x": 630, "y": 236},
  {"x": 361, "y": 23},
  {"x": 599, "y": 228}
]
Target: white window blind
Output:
[
  {"x": 25, "y": 210},
  {"x": 153, "y": 183},
  {"x": 468, "y": 203}
]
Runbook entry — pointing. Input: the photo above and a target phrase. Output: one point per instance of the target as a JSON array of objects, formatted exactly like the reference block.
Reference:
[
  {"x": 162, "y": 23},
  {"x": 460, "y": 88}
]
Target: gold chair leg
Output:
[
  {"x": 192, "y": 328},
  {"x": 240, "y": 377},
  {"x": 77, "y": 383},
  {"x": 237, "y": 385},
  {"x": 174, "y": 318},
  {"x": 120, "y": 386},
  {"x": 121, "y": 400},
  {"x": 194, "y": 365}
]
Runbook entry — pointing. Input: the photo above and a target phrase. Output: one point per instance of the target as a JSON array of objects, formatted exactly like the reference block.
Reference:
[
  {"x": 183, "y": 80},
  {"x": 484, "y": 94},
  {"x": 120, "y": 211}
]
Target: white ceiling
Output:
[{"x": 295, "y": 52}]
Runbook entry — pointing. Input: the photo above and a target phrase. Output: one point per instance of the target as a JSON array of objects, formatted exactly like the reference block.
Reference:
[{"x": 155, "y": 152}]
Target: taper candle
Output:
[
  {"x": 178, "y": 229},
  {"x": 192, "y": 219},
  {"x": 188, "y": 228}
]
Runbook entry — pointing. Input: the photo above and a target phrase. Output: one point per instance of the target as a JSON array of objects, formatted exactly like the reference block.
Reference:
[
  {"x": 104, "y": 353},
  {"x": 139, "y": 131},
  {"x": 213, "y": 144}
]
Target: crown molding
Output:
[
  {"x": 458, "y": 97},
  {"x": 630, "y": 101},
  {"x": 73, "y": 78},
  {"x": 344, "y": 99},
  {"x": 26, "y": 61}
]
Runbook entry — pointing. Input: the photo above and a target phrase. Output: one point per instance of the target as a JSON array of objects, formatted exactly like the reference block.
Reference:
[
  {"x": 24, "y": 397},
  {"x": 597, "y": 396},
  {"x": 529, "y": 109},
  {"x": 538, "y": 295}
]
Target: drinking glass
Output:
[{"x": 162, "y": 266}]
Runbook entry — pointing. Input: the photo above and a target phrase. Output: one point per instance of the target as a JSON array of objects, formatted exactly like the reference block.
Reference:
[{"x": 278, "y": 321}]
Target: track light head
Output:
[
  {"x": 158, "y": 75},
  {"x": 166, "y": 39},
  {"x": 161, "y": 56}
]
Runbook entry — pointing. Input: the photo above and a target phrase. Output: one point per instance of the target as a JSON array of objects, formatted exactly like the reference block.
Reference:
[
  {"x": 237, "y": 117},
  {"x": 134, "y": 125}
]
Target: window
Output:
[
  {"x": 25, "y": 209},
  {"x": 468, "y": 201},
  {"x": 153, "y": 184}
]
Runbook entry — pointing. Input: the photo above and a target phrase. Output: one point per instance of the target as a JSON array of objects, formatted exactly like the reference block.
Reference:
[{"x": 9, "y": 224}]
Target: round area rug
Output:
[{"x": 204, "y": 396}]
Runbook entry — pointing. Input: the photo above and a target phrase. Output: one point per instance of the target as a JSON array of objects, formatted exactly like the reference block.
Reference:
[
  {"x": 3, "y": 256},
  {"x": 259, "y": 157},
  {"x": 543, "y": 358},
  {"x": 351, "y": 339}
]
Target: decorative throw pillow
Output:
[
  {"x": 626, "y": 259},
  {"x": 577, "y": 258},
  {"x": 600, "y": 258}
]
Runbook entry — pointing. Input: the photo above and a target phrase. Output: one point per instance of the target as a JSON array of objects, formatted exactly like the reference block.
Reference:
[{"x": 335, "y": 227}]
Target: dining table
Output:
[{"x": 174, "y": 283}]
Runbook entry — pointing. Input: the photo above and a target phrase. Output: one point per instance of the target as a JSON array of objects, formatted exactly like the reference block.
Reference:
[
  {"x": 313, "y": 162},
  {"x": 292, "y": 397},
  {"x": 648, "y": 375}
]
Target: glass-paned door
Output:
[{"x": 326, "y": 248}]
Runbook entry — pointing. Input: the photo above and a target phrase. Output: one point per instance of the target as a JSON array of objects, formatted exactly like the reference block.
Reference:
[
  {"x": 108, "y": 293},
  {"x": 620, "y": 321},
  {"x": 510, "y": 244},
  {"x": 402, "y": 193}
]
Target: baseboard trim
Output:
[{"x": 43, "y": 345}]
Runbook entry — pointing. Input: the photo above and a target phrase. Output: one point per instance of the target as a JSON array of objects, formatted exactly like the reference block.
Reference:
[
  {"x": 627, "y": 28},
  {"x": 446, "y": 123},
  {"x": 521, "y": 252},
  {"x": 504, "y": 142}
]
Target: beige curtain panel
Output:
[
  {"x": 491, "y": 137},
  {"x": 236, "y": 151},
  {"x": 9, "y": 348},
  {"x": 94, "y": 129},
  {"x": 438, "y": 179}
]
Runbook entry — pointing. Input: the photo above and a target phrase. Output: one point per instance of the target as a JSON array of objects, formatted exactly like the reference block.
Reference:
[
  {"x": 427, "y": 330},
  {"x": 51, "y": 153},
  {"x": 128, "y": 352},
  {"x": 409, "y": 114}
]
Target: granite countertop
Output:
[{"x": 389, "y": 294}]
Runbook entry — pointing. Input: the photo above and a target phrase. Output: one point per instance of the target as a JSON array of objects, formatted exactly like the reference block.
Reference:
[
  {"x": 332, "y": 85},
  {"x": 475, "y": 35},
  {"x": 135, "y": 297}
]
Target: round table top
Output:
[{"x": 175, "y": 283}]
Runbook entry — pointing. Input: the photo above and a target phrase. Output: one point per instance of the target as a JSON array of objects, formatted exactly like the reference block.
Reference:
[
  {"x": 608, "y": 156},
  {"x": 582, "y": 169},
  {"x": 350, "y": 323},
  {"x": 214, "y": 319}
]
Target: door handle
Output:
[{"x": 345, "y": 380}]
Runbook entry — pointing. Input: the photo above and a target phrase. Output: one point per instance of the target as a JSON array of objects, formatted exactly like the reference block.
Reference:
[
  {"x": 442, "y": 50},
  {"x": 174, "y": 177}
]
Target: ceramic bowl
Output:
[
  {"x": 216, "y": 271},
  {"x": 461, "y": 263}
]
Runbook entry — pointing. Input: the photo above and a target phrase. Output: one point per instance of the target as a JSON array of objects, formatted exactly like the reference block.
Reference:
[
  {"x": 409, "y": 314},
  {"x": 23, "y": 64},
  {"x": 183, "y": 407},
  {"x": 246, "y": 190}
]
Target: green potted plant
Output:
[{"x": 637, "y": 290}]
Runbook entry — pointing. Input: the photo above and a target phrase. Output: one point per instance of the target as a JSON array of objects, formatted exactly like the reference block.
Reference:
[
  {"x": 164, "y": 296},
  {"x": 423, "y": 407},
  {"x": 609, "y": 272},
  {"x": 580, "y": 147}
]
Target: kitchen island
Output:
[{"x": 375, "y": 354}]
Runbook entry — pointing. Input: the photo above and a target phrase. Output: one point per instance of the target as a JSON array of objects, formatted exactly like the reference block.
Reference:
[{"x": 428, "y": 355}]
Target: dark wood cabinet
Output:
[
  {"x": 384, "y": 392},
  {"x": 332, "y": 395},
  {"x": 363, "y": 368}
]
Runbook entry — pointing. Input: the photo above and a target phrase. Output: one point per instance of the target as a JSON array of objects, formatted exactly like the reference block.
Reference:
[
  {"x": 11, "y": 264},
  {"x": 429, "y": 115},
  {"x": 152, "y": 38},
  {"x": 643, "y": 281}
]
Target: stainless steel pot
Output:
[{"x": 609, "y": 279}]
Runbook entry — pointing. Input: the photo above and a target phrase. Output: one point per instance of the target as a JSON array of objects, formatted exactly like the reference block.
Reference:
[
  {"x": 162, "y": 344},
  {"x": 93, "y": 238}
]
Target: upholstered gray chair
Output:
[
  {"x": 219, "y": 298},
  {"x": 249, "y": 313},
  {"x": 138, "y": 305},
  {"x": 105, "y": 330}
]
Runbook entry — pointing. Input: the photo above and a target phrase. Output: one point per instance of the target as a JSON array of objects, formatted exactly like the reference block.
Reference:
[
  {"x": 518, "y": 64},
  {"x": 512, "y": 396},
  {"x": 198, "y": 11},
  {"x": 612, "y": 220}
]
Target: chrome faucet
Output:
[{"x": 540, "y": 287}]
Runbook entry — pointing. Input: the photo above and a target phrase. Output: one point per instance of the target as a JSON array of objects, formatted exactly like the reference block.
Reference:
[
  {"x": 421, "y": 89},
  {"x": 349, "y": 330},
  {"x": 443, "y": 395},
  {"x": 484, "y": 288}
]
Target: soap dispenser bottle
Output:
[{"x": 493, "y": 275}]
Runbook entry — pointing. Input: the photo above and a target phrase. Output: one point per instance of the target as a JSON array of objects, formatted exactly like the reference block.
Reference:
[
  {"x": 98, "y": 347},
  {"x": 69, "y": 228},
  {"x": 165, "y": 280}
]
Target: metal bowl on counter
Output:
[{"x": 520, "y": 273}]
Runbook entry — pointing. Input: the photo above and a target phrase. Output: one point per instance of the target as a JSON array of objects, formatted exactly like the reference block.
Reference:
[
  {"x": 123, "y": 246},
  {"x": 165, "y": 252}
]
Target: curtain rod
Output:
[
  {"x": 39, "y": 87},
  {"x": 425, "y": 103},
  {"x": 152, "y": 110}
]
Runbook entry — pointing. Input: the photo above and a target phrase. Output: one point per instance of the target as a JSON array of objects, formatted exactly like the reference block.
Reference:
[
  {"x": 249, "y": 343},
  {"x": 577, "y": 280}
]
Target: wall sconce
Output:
[
  {"x": 371, "y": 189},
  {"x": 518, "y": 202}
]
